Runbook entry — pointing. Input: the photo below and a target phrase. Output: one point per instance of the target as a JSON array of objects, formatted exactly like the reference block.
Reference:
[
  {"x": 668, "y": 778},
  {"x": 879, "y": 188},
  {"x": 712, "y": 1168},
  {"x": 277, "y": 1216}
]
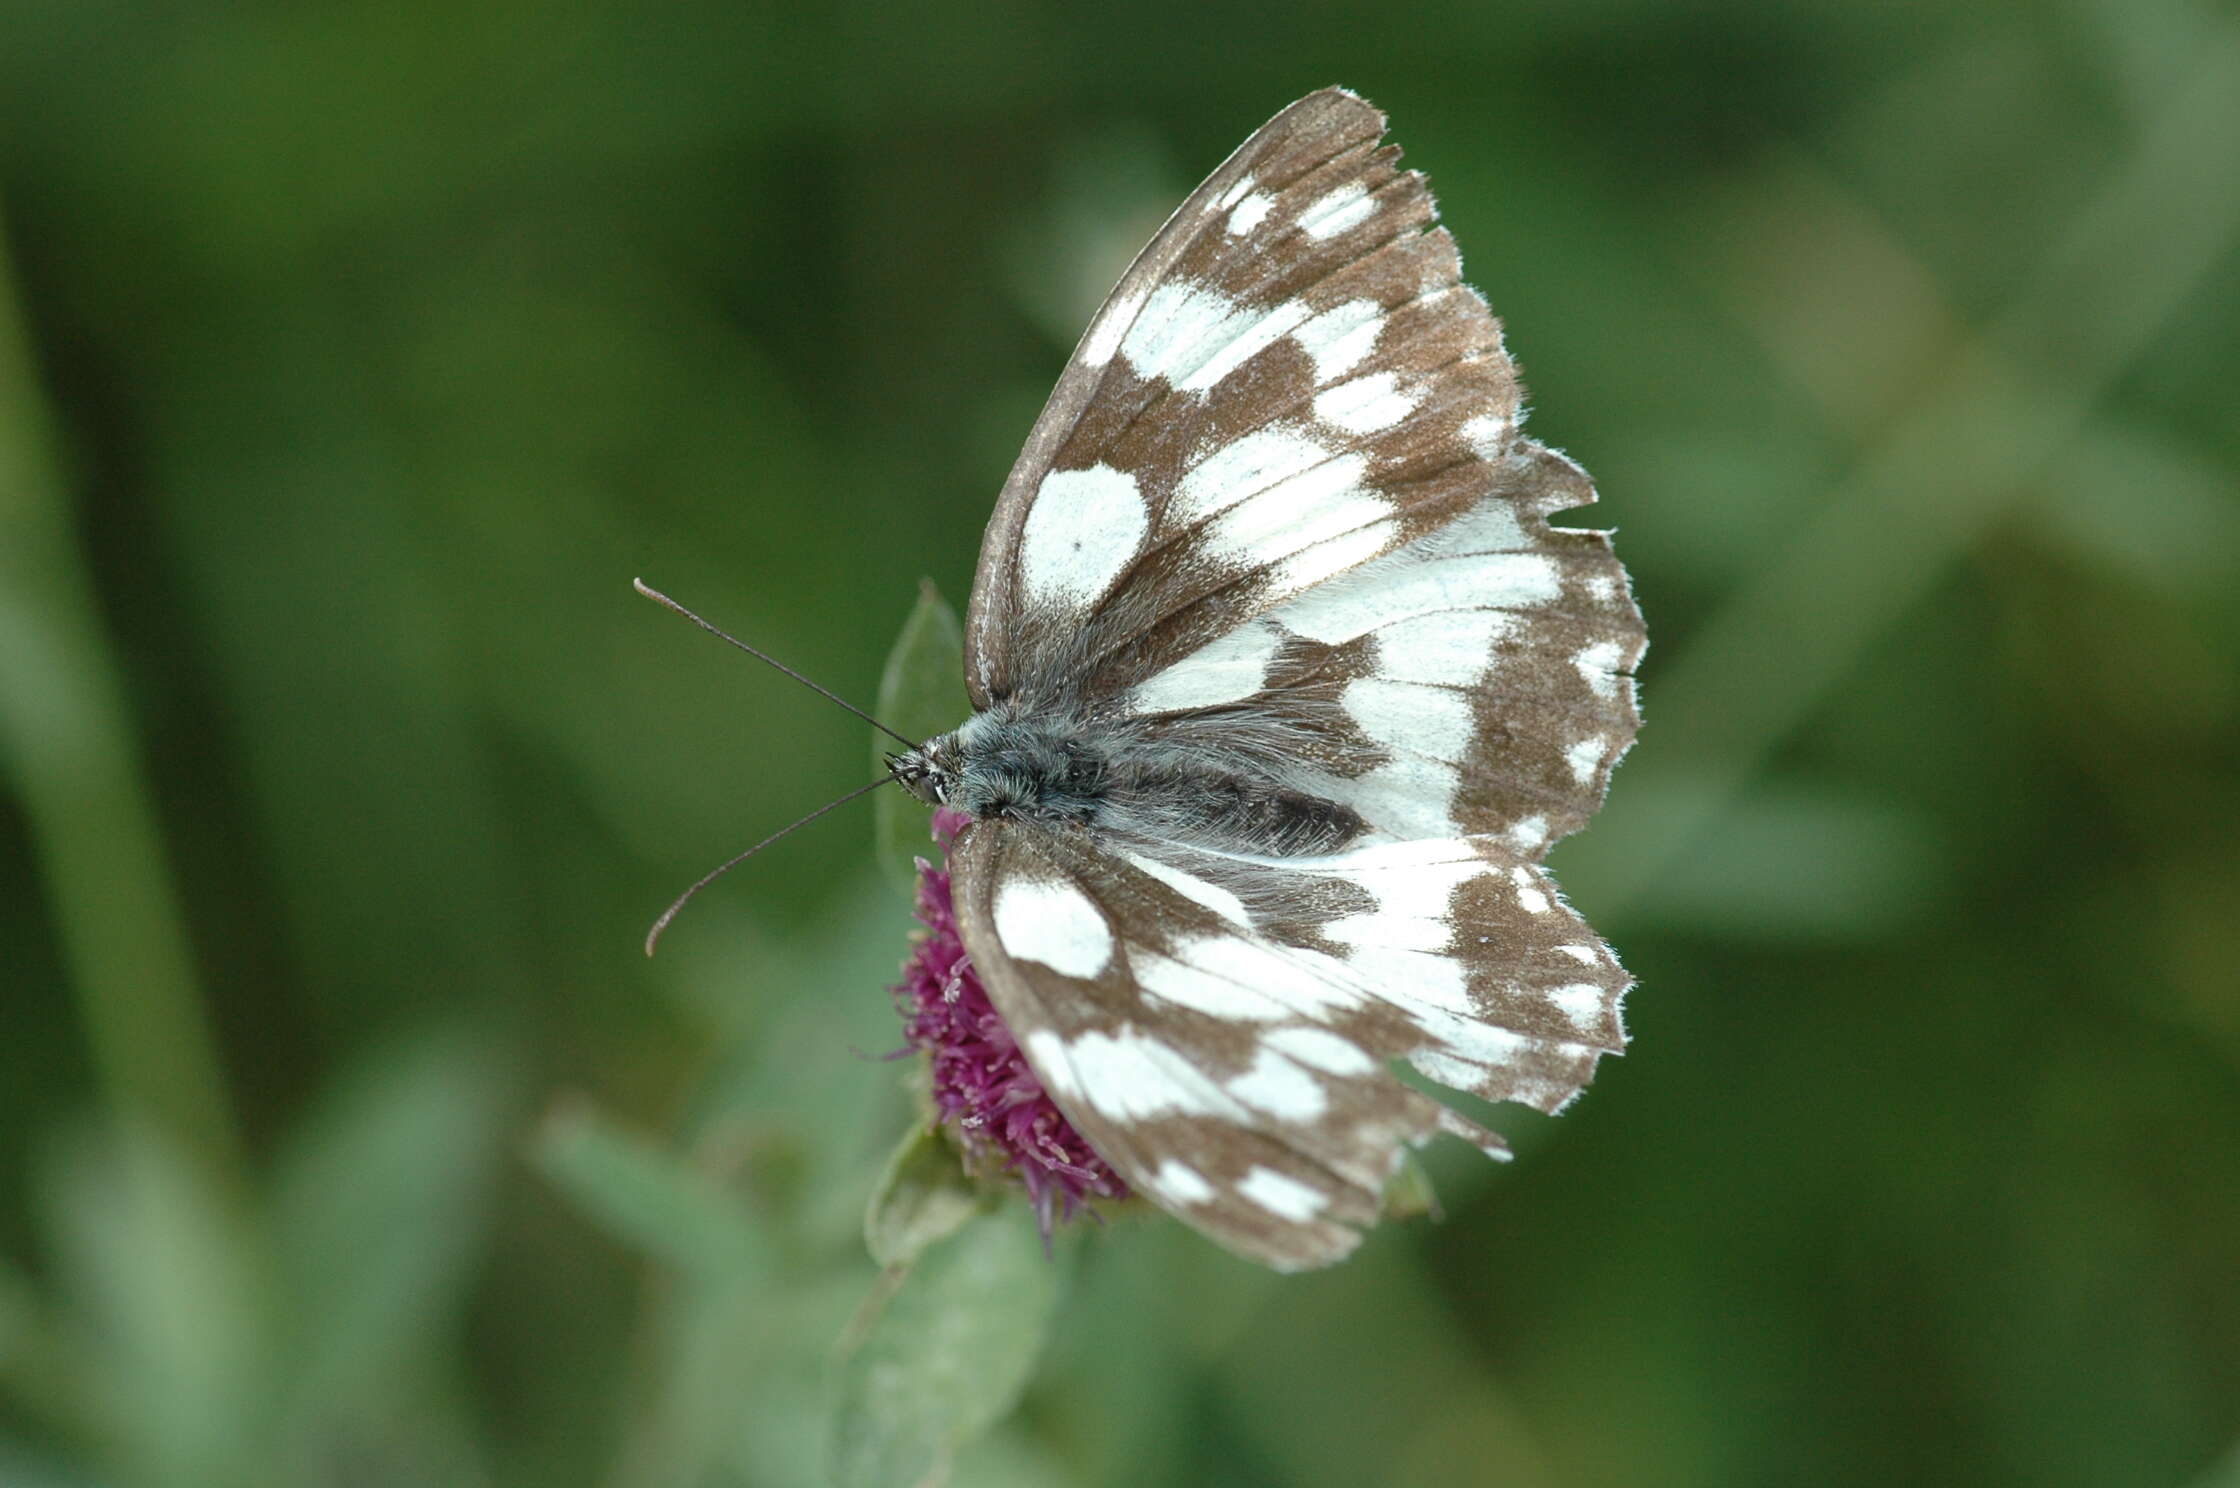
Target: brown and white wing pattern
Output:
[
  {"x": 1221, "y": 1030},
  {"x": 1282, "y": 475},
  {"x": 1279, "y": 511},
  {"x": 1290, "y": 381},
  {"x": 1477, "y": 681}
]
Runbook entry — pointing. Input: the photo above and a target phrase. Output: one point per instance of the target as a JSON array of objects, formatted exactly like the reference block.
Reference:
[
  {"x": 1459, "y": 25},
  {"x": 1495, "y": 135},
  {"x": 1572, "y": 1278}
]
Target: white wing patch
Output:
[
  {"x": 1451, "y": 648},
  {"x": 1411, "y": 719},
  {"x": 1322, "y": 1049},
  {"x": 1585, "y": 757},
  {"x": 1408, "y": 583},
  {"x": 1112, "y": 323},
  {"x": 1128, "y": 1075},
  {"x": 1347, "y": 207},
  {"x": 1366, "y": 405},
  {"x": 1180, "y": 326},
  {"x": 1488, "y": 434},
  {"x": 1248, "y": 333},
  {"x": 1341, "y": 338},
  {"x": 1053, "y": 922},
  {"x": 1243, "y": 468},
  {"x": 1080, "y": 533},
  {"x": 1195, "y": 889},
  {"x": 1242, "y": 976},
  {"x": 1584, "y": 1003},
  {"x": 1224, "y": 670},
  {"x": 1249, "y": 214},
  {"x": 1411, "y": 898},
  {"x": 1238, "y": 190},
  {"x": 1323, "y": 502},
  {"x": 1282, "y": 1196},
  {"x": 1407, "y": 799},
  {"x": 1202, "y": 991},
  {"x": 1529, "y": 897},
  {"x": 1193, "y": 335},
  {"x": 1304, "y": 570},
  {"x": 1281, "y": 1088},
  {"x": 1598, "y": 666},
  {"x": 1179, "y": 1183},
  {"x": 1488, "y": 527}
]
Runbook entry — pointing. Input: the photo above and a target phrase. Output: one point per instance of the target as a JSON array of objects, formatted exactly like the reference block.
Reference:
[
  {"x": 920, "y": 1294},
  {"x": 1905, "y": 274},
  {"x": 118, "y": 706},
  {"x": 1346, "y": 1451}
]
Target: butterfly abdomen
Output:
[{"x": 1181, "y": 796}]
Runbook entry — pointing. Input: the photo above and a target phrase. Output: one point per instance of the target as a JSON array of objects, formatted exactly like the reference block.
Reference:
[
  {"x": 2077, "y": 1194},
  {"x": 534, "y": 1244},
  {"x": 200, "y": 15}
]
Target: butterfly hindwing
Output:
[
  {"x": 1475, "y": 681},
  {"x": 1220, "y": 1029}
]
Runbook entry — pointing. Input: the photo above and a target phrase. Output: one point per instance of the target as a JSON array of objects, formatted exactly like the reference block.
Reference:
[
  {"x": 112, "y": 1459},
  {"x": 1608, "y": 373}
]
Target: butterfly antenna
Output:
[
  {"x": 654, "y": 594},
  {"x": 653, "y": 936}
]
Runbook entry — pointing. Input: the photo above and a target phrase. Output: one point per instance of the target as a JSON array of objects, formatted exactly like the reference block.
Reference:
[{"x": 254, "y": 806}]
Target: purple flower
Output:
[{"x": 989, "y": 1101}]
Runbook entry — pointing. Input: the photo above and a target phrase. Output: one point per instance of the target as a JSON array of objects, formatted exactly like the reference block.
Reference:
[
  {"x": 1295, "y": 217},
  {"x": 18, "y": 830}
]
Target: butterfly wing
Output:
[
  {"x": 1220, "y": 1030},
  {"x": 1289, "y": 380},
  {"x": 1282, "y": 476},
  {"x": 1476, "y": 681}
]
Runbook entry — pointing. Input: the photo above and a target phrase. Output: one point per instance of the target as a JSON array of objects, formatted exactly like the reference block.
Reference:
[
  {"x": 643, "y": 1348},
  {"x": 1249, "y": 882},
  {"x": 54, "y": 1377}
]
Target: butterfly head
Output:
[{"x": 929, "y": 771}]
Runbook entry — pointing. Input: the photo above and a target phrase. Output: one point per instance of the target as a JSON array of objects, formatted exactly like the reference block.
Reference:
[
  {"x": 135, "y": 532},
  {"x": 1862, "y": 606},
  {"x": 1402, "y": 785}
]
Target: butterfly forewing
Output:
[
  {"x": 1278, "y": 512},
  {"x": 1290, "y": 379}
]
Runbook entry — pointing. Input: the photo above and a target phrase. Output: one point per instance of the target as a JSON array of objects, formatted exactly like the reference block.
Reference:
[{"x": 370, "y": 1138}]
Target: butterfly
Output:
[{"x": 1283, "y": 685}]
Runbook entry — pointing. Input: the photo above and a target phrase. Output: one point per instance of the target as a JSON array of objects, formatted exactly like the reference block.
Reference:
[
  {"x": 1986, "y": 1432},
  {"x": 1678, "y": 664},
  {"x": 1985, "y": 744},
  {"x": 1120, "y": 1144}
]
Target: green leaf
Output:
[
  {"x": 1408, "y": 1193},
  {"x": 921, "y": 694},
  {"x": 380, "y": 1203},
  {"x": 160, "y": 1273},
  {"x": 923, "y": 1196},
  {"x": 947, "y": 1356},
  {"x": 646, "y": 1195}
]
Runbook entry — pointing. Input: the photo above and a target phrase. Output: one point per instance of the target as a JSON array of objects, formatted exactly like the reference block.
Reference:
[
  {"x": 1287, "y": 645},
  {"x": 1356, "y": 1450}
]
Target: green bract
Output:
[{"x": 921, "y": 694}]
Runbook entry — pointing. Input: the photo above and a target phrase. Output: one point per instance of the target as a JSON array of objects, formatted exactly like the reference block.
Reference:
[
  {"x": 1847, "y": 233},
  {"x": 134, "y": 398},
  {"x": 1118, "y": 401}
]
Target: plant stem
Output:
[{"x": 66, "y": 741}]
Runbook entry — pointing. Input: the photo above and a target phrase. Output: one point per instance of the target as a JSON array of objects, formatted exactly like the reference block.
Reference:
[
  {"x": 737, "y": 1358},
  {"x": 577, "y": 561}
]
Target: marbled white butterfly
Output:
[{"x": 1284, "y": 685}]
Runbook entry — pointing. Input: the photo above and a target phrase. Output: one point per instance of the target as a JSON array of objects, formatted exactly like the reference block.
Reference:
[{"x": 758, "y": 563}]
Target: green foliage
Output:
[
  {"x": 196, "y": 1340},
  {"x": 924, "y": 1196},
  {"x": 946, "y": 1356},
  {"x": 647, "y": 1197},
  {"x": 353, "y": 358}
]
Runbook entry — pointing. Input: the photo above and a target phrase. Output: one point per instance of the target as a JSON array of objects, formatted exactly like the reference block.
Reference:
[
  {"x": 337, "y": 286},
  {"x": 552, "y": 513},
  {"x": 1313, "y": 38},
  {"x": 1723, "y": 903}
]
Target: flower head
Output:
[{"x": 986, "y": 1097}]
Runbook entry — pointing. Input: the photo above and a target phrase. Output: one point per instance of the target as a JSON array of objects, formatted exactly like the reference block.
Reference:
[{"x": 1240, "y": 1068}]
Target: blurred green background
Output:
[{"x": 353, "y": 358}]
